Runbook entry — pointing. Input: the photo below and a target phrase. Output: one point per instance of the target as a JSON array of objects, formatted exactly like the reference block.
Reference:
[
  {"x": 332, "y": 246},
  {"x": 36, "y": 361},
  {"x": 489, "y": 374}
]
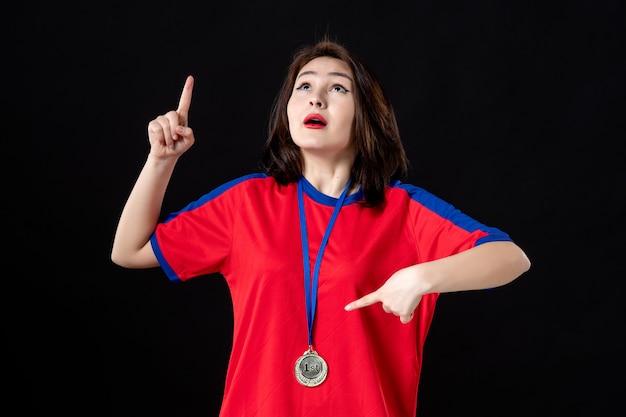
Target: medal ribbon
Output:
[{"x": 310, "y": 286}]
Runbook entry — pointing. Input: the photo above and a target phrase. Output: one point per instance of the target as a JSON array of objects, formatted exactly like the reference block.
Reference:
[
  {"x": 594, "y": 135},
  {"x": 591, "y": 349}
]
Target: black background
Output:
[{"x": 510, "y": 110}]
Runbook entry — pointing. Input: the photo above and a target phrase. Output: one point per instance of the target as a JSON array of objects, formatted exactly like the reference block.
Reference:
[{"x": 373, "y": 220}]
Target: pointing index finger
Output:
[
  {"x": 366, "y": 300},
  {"x": 185, "y": 102}
]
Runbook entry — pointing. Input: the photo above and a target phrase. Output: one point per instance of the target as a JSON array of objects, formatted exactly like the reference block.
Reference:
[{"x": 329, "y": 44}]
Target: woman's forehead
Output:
[{"x": 326, "y": 66}]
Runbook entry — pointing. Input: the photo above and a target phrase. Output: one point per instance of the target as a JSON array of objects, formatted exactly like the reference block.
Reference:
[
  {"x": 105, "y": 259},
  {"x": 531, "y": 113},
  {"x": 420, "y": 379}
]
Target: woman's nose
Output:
[{"x": 316, "y": 102}]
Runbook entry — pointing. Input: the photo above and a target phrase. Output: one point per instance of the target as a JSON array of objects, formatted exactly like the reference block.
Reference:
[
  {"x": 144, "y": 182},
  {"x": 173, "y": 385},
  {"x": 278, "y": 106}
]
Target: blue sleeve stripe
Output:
[
  {"x": 164, "y": 265},
  {"x": 216, "y": 192},
  {"x": 449, "y": 212}
]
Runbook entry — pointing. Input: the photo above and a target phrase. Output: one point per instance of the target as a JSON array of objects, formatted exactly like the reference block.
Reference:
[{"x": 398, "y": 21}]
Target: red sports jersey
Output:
[{"x": 249, "y": 231}]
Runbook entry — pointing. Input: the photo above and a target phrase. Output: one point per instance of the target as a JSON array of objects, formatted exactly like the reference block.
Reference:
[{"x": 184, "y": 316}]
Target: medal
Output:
[{"x": 311, "y": 369}]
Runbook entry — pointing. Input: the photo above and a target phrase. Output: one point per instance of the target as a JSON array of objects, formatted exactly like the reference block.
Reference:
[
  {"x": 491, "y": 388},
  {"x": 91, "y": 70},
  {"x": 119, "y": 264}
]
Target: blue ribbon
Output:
[{"x": 310, "y": 286}]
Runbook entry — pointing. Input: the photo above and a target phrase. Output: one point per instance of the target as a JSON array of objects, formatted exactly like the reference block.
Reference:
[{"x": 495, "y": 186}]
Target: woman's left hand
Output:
[{"x": 399, "y": 295}]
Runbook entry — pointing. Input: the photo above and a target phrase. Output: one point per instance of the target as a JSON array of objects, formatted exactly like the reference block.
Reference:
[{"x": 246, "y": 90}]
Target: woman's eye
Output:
[
  {"x": 340, "y": 89},
  {"x": 337, "y": 88}
]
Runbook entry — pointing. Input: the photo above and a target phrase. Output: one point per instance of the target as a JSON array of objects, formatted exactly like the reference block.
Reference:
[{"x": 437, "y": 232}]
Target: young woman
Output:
[{"x": 334, "y": 264}]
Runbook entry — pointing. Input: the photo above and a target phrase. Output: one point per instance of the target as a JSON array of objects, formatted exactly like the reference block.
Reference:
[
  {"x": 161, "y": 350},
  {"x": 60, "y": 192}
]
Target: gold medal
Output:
[{"x": 311, "y": 369}]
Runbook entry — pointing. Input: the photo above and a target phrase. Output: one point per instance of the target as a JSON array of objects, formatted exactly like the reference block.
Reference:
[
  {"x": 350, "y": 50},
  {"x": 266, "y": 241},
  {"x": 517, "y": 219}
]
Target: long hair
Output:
[{"x": 380, "y": 155}]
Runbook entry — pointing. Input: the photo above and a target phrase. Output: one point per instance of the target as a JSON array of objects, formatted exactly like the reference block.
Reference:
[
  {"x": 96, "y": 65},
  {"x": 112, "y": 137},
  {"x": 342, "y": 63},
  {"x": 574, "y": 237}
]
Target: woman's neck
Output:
[
  {"x": 328, "y": 180},
  {"x": 329, "y": 175}
]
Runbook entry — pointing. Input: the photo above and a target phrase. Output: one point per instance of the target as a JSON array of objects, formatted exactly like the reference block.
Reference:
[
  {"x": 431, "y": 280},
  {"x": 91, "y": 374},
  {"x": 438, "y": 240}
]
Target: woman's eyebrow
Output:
[{"x": 336, "y": 73}]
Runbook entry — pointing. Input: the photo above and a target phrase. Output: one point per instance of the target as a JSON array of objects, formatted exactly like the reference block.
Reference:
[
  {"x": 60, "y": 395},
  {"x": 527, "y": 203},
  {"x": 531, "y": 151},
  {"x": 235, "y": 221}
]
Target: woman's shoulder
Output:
[
  {"x": 246, "y": 178},
  {"x": 419, "y": 195}
]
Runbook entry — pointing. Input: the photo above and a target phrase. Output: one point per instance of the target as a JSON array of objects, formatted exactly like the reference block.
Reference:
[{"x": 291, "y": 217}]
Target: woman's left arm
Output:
[{"x": 489, "y": 265}]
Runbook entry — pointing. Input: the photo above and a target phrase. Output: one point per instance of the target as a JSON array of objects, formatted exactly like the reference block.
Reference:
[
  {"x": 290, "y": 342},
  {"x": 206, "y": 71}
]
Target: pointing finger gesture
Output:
[
  {"x": 398, "y": 295},
  {"x": 170, "y": 134}
]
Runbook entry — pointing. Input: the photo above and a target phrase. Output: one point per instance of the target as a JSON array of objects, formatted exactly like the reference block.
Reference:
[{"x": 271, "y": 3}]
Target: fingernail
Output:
[{"x": 180, "y": 129}]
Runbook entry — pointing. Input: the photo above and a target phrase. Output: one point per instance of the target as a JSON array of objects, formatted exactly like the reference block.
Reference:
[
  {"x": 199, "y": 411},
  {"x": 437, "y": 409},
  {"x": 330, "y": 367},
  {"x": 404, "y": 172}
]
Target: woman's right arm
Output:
[{"x": 169, "y": 137}]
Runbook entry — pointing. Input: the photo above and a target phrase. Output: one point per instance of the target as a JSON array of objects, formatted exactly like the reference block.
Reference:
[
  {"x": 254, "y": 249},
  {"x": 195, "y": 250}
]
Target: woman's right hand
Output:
[{"x": 169, "y": 134}]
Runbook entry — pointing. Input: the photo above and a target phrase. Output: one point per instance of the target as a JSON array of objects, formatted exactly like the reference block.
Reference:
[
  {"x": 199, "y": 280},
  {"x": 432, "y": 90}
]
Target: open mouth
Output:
[{"x": 314, "y": 120}]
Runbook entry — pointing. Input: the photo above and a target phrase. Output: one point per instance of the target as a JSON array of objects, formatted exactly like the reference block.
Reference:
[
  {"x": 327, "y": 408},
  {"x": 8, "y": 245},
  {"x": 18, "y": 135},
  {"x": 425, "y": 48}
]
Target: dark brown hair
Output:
[{"x": 380, "y": 156}]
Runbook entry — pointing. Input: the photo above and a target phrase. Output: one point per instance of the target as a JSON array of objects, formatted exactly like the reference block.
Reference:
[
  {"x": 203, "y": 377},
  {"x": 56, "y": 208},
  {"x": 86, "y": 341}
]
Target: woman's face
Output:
[{"x": 321, "y": 107}]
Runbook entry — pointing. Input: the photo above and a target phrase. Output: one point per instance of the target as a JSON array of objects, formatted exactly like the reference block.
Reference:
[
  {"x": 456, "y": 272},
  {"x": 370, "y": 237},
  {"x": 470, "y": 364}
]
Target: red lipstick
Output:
[{"x": 314, "y": 121}]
